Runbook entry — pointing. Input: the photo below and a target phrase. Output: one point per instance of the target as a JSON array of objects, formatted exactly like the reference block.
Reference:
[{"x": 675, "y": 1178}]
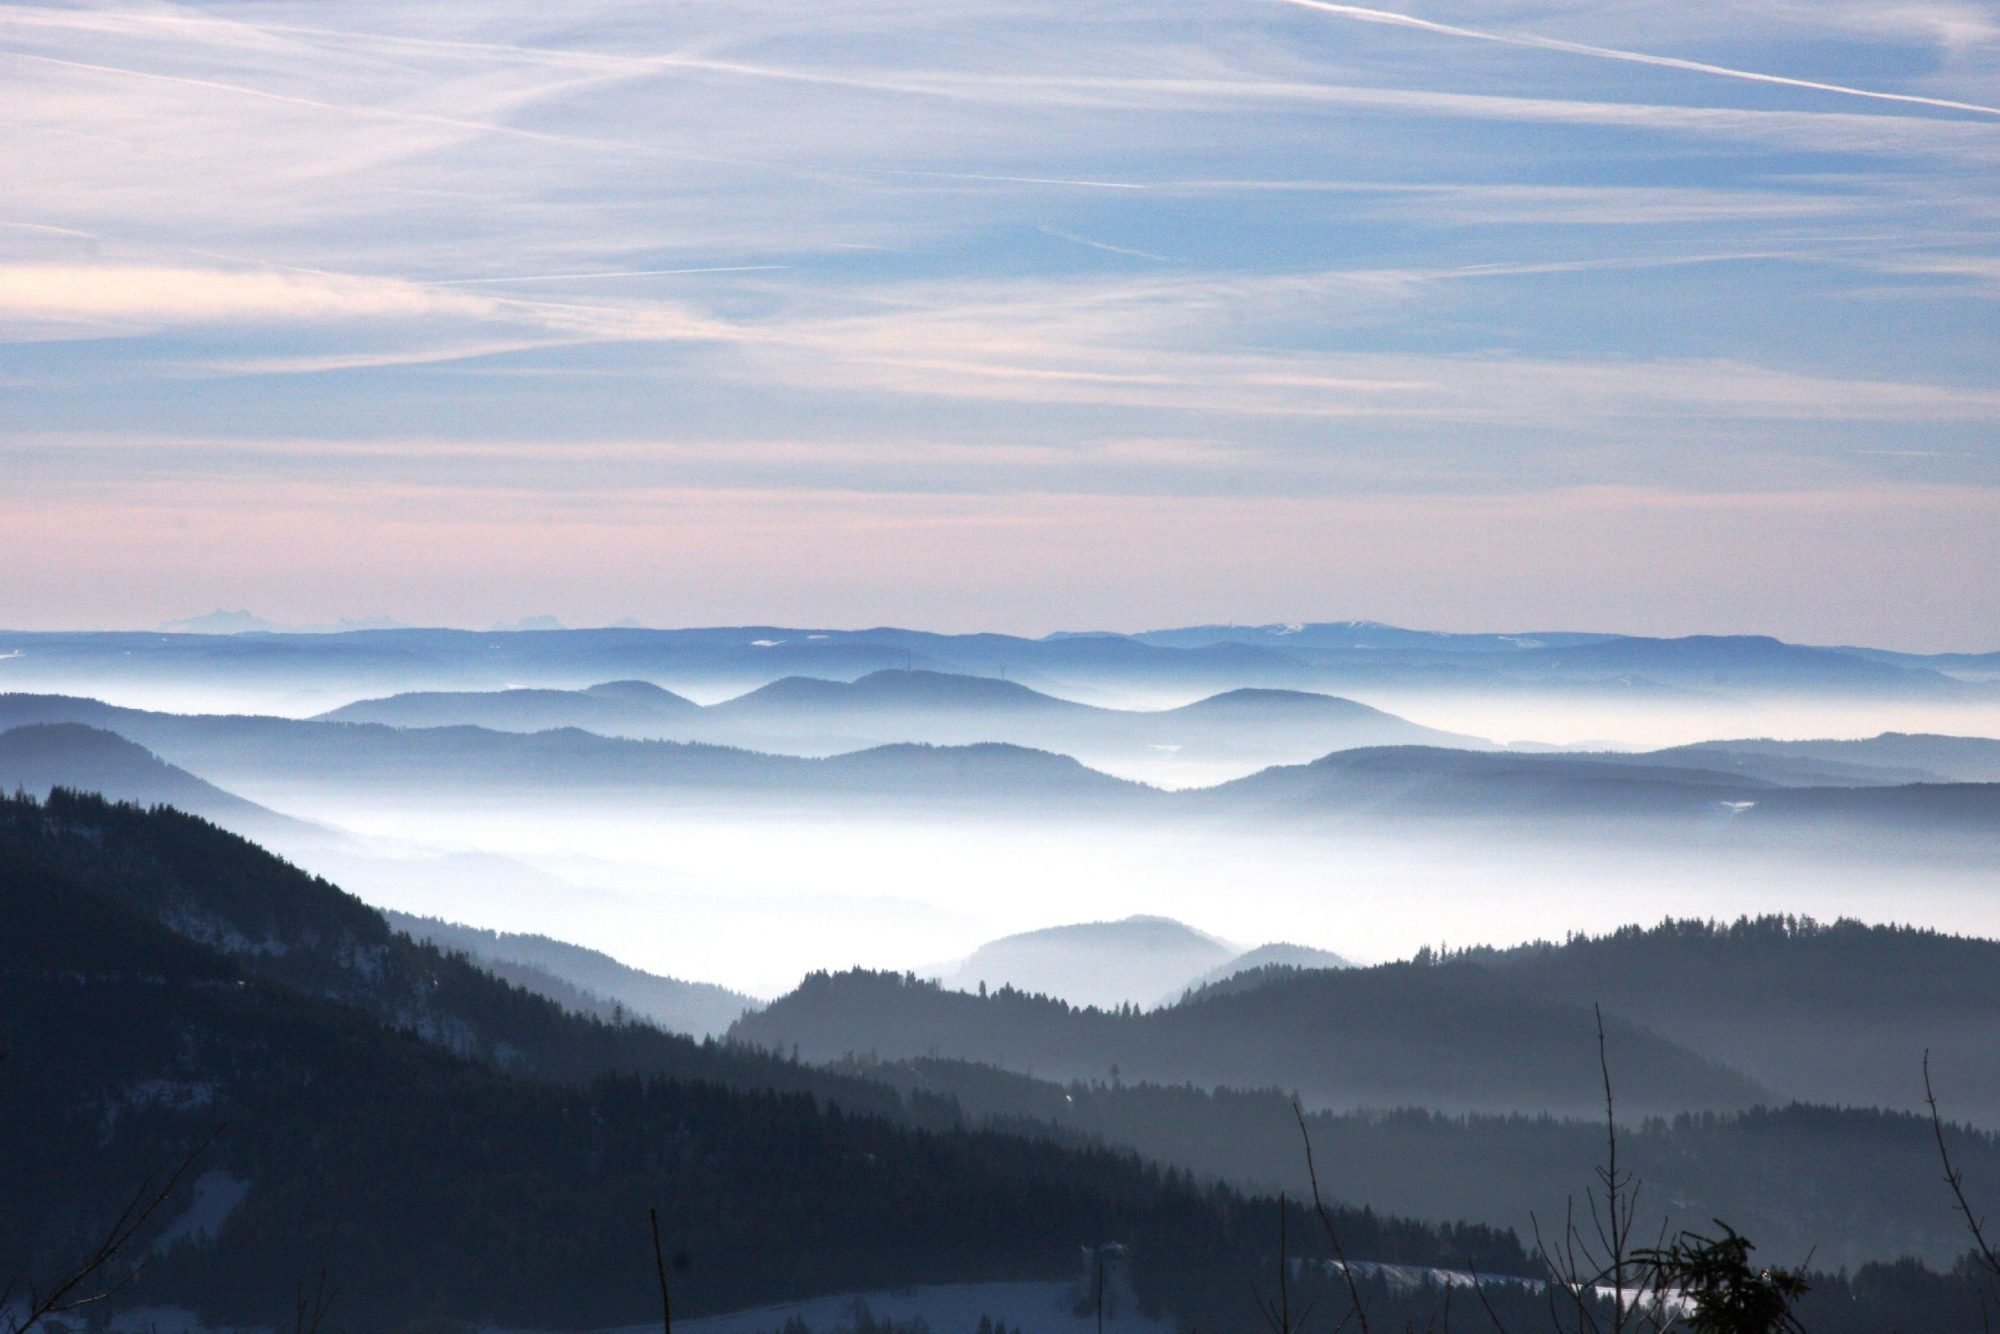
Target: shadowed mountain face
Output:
[{"x": 1452, "y": 1037}]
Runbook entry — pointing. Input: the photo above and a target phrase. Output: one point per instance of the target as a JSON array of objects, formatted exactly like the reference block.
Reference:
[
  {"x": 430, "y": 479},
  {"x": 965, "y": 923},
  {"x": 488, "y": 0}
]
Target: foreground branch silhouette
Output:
[{"x": 80, "y": 1287}]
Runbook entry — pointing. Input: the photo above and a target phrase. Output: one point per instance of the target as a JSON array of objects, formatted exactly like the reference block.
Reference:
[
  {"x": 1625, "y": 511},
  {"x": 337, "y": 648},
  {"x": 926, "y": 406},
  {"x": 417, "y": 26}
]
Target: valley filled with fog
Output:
[{"x": 497, "y": 780}]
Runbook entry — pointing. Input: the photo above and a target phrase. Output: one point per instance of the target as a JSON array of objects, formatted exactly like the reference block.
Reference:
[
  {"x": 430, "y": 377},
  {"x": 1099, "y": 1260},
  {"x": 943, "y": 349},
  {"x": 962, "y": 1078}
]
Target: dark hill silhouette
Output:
[{"x": 1454, "y": 1037}]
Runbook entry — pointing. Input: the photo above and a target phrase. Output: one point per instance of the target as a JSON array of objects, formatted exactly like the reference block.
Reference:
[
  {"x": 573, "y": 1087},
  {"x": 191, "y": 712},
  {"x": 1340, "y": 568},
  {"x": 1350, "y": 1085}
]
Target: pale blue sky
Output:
[{"x": 1633, "y": 315}]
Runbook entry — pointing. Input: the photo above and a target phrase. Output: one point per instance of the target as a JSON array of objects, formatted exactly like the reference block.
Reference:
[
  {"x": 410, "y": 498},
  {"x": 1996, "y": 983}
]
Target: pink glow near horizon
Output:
[{"x": 1881, "y": 567}]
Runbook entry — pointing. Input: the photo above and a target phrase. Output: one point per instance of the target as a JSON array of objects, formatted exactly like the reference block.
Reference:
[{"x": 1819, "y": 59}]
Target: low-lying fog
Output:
[{"x": 753, "y": 902}]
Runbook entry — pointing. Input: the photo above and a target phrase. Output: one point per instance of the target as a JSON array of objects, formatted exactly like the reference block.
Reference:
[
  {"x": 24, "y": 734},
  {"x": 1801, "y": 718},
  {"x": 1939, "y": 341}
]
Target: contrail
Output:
[
  {"x": 1390, "y": 17},
  {"x": 290, "y": 99}
]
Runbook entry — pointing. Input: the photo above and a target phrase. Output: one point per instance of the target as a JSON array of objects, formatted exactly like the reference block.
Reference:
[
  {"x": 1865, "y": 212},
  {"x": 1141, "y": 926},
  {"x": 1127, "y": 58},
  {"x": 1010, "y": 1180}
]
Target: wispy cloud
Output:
[
  {"x": 77, "y": 293},
  {"x": 859, "y": 258}
]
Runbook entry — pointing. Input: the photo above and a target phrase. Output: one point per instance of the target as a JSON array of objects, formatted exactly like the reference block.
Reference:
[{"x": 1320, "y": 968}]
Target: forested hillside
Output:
[{"x": 385, "y": 1117}]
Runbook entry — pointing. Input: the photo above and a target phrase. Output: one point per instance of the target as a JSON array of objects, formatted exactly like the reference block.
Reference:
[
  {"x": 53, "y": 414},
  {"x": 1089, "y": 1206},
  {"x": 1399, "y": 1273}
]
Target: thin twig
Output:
[
  {"x": 660, "y": 1268},
  {"x": 312, "y": 1314},
  {"x": 1953, "y": 1177},
  {"x": 1614, "y": 1189},
  {"x": 1326, "y": 1221},
  {"x": 145, "y": 1202}
]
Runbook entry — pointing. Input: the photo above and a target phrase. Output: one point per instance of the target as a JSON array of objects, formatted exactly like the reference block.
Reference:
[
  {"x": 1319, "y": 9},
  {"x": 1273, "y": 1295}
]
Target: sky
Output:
[{"x": 1006, "y": 314}]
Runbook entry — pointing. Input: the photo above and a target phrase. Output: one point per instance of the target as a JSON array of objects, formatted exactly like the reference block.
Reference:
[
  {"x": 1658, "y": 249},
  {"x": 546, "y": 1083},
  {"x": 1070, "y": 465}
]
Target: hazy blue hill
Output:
[
  {"x": 616, "y": 708},
  {"x": 1362, "y": 636},
  {"x": 439, "y": 1187},
  {"x": 1251, "y": 703},
  {"x": 1754, "y": 662},
  {"x": 1918, "y": 756},
  {"x": 1966, "y": 666},
  {"x": 1429, "y": 781},
  {"x": 582, "y": 980},
  {"x": 1910, "y": 811},
  {"x": 1286, "y": 724},
  {"x": 1136, "y": 961},
  {"x": 37, "y": 757},
  {"x": 894, "y": 690},
  {"x": 1452, "y": 1037},
  {"x": 1778, "y": 768},
  {"x": 373, "y": 759},
  {"x": 1248, "y": 725},
  {"x": 734, "y": 659}
]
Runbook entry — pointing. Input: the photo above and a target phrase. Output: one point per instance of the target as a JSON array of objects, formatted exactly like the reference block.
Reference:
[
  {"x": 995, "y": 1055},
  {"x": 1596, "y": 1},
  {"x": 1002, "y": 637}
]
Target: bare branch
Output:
[
  {"x": 71, "y": 1292},
  {"x": 1360, "y": 1311},
  {"x": 1953, "y": 1177},
  {"x": 660, "y": 1268}
]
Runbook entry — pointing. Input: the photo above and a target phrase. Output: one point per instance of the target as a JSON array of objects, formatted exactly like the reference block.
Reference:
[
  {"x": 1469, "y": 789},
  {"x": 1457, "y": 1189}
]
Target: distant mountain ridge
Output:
[
  {"x": 805, "y": 715},
  {"x": 1329, "y": 657},
  {"x": 261, "y": 753},
  {"x": 1719, "y": 794}
]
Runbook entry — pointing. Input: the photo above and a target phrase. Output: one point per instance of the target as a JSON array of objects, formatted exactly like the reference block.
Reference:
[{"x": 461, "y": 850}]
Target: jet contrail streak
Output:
[{"x": 1390, "y": 17}]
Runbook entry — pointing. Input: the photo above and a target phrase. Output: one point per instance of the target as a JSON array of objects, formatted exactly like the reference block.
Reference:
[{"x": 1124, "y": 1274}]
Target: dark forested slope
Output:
[{"x": 164, "y": 979}]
